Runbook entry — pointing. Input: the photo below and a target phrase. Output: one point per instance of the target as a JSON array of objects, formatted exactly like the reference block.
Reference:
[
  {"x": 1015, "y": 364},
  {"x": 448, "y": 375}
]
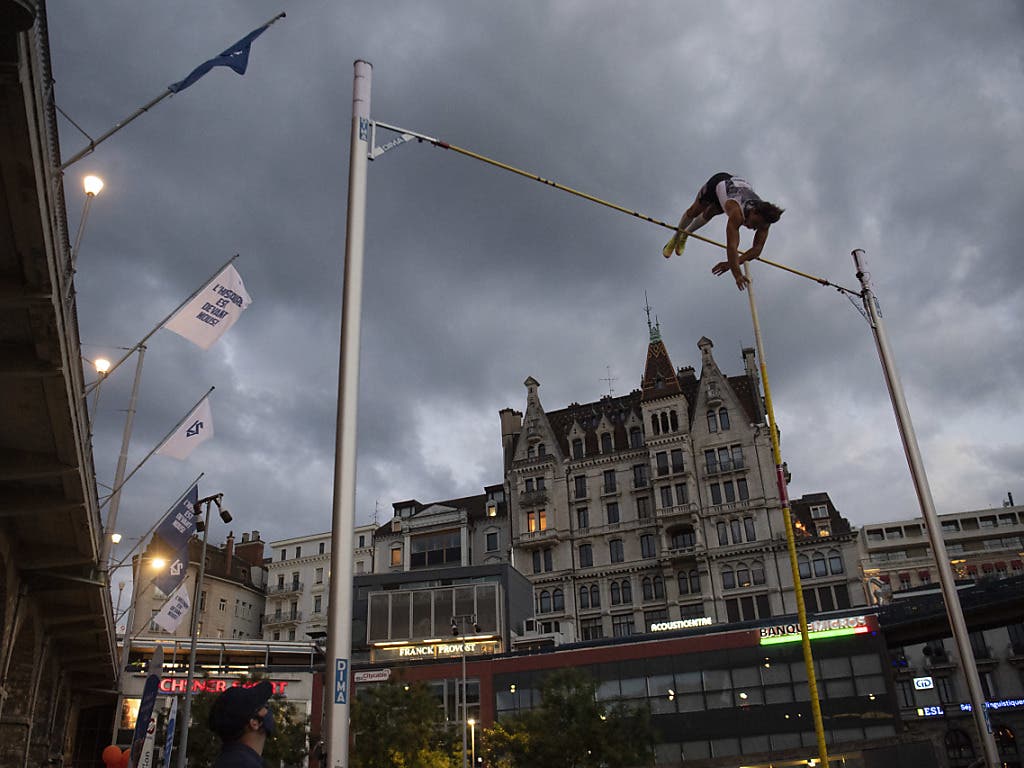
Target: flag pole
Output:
[
  {"x": 89, "y": 388},
  {"x": 117, "y": 488},
  {"x": 93, "y": 143},
  {"x": 337, "y": 689}
]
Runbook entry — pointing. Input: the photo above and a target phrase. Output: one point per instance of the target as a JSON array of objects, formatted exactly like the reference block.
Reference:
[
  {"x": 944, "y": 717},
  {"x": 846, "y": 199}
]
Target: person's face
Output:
[{"x": 755, "y": 220}]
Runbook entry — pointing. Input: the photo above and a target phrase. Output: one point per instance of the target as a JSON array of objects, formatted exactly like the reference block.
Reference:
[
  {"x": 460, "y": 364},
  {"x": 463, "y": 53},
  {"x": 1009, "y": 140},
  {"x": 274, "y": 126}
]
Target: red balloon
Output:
[
  {"x": 125, "y": 758},
  {"x": 112, "y": 756}
]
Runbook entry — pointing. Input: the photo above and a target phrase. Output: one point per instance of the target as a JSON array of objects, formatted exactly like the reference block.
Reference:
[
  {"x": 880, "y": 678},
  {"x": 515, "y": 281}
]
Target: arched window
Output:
[
  {"x": 694, "y": 582},
  {"x": 627, "y": 592},
  {"x": 542, "y": 450},
  {"x": 636, "y": 437},
  {"x": 959, "y": 749},
  {"x": 742, "y": 575},
  {"x": 648, "y": 588},
  {"x": 545, "y": 601},
  {"x": 616, "y": 593},
  {"x": 664, "y": 422},
  {"x": 577, "y": 448},
  {"x": 804, "y": 565},
  {"x": 757, "y": 572},
  {"x": 712, "y": 422},
  {"x": 606, "y": 442},
  {"x": 584, "y": 597},
  {"x": 673, "y": 421},
  {"x": 684, "y": 583},
  {"x": 728, "y": 579},
  {"x": 558, "y": 600},
  {"x": 818, "y": 560},
  {"x": 723, "y": 419},
  {"x": 529, "y": 452},
  {"x": 595, "y": 596},
  {"x": 835, "y": 561},
  {"x": 723, "y": 534},
  {"x": 659, "y": 588},
  {"x": 654, "y": 424}
]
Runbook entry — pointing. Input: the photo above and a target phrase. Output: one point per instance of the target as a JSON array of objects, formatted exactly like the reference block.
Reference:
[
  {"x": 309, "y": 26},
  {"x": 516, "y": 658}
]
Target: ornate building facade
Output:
[{"x": 660, "y": 508}]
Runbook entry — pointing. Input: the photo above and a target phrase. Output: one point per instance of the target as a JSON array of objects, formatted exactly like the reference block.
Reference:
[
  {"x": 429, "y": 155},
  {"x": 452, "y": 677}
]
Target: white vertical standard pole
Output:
[
  {"x": 339, "y": 626},
  {"x": 931, "y": 519}
]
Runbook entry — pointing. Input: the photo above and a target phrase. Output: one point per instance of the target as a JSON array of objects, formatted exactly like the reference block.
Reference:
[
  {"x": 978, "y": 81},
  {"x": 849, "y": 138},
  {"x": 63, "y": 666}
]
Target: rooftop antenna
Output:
[{"x": 609, "y": 378}]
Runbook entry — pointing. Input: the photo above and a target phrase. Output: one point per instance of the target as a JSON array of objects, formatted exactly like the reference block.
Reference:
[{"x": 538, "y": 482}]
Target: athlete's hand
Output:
[{"x": 721, "y": 268}]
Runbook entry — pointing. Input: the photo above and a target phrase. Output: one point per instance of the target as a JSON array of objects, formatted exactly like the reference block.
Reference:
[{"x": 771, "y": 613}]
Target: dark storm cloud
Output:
[{"x": 893, "y": 129}]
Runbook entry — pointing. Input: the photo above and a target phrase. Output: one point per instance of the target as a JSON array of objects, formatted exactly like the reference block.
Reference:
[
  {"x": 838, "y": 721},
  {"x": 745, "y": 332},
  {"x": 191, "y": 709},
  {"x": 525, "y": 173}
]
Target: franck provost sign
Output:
[{"x": 413, "y": 651}]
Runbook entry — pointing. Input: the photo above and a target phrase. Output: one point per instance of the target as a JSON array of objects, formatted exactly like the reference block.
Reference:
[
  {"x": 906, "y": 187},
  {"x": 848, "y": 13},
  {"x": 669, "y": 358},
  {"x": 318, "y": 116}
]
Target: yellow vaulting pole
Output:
[{"x": 801, "y": 611}]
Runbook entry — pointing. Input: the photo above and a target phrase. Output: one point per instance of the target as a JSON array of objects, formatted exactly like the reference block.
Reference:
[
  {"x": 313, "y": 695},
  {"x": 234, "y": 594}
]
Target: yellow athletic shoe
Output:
[
  {"x": 670, "y": 246},
  {"x": 681, "y": 244}
]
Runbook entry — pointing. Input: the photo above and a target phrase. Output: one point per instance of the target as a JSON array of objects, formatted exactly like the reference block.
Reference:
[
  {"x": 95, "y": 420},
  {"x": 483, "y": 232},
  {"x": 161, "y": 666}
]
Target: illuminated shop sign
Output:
[
  {"x": 966, "y": 707},
  {"x": 816, "y": 630},
  {"x": 372, "y": 676},
  {"x": 923, "y": 683},
  {"x": 214, "y": 685},
  {"x": 667, "y": 626},
  {"x": 412, "y": 652}
]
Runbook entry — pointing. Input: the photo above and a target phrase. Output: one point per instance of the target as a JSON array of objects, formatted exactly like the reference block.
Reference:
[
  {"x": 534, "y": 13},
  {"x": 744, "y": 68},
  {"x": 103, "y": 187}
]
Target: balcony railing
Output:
[
  {"x": 533, "y": 498},
  {"x": 731, "y": 464},
  {"x": 284, "y": 589},
  {"x": 678, "y": 509},
  {"x": 282, "y": 617}
]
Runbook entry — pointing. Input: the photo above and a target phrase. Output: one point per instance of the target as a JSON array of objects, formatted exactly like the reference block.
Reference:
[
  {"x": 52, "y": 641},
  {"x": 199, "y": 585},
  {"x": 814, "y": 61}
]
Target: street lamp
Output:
[
  {"x": 472, "y": 740},
  {"x": 459, "y": 624},
  {"x": 92, "y": 186},
  {"x": 204, "y": 526}
]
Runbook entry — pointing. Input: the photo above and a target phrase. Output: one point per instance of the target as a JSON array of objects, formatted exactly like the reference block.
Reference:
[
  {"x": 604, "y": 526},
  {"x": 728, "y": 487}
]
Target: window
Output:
[
  {"x": 835, "y": 561},
  {"x": 542, "y": 450},
  {"x": 737, "y": 457},
  {"x": 609, "y": 481},
  {"x": 536, "y": 521},
  {"x": 728, "y": 579},
  {"x": 318, "y": 602},
  {"x": 615, "y": 551},
  {"x": 661, "y": 460},
  {"x": 295, "y": 580},
  {"x": 583, "y": 518},
  {"x": 677, "y": 460},
  {"x": 613, "y": 512},
  {"x": 723, "y": 419},
  {"x": 540, "y": 483},
  {"x": 298, "y": 552},
  {"x": 818, "y": 560},
  {"x": 716, "y": 494},
  {"x": 362, "y": 543},
  {"x": 683, "y": 582},
  {"x": 654, "y": 424},
  {"x": 528, "y": 485},
  {"x": 606, "y": 442},
  {"x": 616, "y": 593},
  {"x": 735, "y": 527},
  {"x": 673, "y": 421},
  {"x": 730, "y": 491},
  {"x": 544, "y": 602},
  {"x": 640, "y": 476},
  {"x": 711, "y": 461},
  {"x": 536, "y": 561},
  {"x": 684, "y": 538},
  {"x": 742, "y": 575},
  {"x": 666, "y": 496},
  {"x": 653, "y": 588},
  {"x": 741, "y": 489},
  {"x": 280, "y": 581},
  {"x": 558, "y": 600},
  {"x": 636, "y": 437},
  {"x": 396, "y": 556},
  {"x": 623, "y": 626},
  {"x": 586, "y": 555},
  {"x": 222, "y": 605},
  {"x": 804, "y": 566},
  {"x": 548, "y": 561},
  {"x": 682, "y": 495},
  {"x": 491, "y": 540},
  {"x": 577, "y": 448},
  {"x": 283, "y": 554},
  {"x": 648, "y": 546},
  {"x": 819, "y": 512},
  {"x": 748, "y": 529},
  {"x": 319, "y": 576},
  {"x": 757, "y": 572},
  {"x": 712, "y": 422},
  {"x": 591, "y": 629},
  {"x": 627, "y": 592},
  {"x": 580, "y": 482},
  {"x": 595, "y": 596},
  {"x": 723, "y": 534},
  {"x": 530, "y": 452},
  {"x": 643, "y": 508}
]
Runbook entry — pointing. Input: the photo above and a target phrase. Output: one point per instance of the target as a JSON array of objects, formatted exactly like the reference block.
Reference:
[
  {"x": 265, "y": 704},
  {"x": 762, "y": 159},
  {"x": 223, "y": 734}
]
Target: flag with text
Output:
[
  {"x": 174, "y": 610},
  {"x": 213, "y": 310}
]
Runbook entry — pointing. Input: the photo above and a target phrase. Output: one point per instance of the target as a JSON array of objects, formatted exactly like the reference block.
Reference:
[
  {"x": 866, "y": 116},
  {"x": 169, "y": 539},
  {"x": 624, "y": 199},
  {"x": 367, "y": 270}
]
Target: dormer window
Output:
[
  {"x": 577, "y": 448},
  {"x": 606, "y": 442}
]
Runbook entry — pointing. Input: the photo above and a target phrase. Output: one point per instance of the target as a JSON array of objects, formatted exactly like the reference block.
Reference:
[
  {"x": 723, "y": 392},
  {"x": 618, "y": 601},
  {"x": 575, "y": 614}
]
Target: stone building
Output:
[{"x": 660, "y": 506}]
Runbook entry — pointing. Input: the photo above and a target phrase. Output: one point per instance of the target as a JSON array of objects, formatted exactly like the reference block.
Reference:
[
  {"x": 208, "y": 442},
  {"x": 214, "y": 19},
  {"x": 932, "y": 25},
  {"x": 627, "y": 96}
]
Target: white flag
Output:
[
  {"x": 213, "y": 310},
  {"x": 174, "y": 610},
  {"x": 195, "y": 429}
]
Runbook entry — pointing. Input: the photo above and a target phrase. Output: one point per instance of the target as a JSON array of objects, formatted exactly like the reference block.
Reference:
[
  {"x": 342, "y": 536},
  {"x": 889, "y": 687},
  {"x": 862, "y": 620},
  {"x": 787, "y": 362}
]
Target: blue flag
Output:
[
  {"x": 174, "y": 532},
  {"x": 236, "y": 57}
]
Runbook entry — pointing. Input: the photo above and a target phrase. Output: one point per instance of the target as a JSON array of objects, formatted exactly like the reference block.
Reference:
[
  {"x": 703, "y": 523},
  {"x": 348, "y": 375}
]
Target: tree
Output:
[
  {"x": 572, "y": 729},
  {"x": 397, "y": 725},
  {"x": 286, "y": 749}
]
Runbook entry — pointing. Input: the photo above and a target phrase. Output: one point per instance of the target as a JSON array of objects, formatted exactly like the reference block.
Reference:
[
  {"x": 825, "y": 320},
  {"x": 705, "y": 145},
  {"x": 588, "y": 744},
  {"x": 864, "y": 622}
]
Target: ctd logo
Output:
[{"x": 195, "y": 429}]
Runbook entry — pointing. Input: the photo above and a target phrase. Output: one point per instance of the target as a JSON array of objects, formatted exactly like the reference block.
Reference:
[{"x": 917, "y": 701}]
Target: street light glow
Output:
[
  {"x": 101, "y": 364},
  {"x": 93, "y": 185},
  {"x": 116, "y": 538},
  {"x": 159, "y": 562}
]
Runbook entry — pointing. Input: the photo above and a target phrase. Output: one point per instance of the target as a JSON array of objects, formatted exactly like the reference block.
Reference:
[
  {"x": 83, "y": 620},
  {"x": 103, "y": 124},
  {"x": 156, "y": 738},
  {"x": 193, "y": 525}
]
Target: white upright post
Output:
[
  {"x": 339, "y": 626},
  {"x": 122, "y": 463},
  {"x": 931, "y": 519}
]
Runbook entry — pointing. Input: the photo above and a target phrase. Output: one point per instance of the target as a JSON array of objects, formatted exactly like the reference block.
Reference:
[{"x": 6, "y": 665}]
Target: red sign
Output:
[{"x": 212, "y": 685}]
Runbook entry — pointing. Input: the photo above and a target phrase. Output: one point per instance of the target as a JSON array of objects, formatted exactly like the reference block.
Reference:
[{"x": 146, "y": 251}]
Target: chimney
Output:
[
  {"x": 511, "y": 425},
  {"x": 229, "y": 553},
  {"x": 245, "y": 536}
]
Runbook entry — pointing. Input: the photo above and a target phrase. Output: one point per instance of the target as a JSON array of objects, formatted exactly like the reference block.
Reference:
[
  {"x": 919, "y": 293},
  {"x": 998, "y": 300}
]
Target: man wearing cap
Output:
[{"x": 242, "y": 719}]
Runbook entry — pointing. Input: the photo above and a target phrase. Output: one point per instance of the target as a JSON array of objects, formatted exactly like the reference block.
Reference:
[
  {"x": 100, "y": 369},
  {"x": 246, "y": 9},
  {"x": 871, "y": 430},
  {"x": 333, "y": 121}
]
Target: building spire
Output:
[{"x": 655, "y": 328}]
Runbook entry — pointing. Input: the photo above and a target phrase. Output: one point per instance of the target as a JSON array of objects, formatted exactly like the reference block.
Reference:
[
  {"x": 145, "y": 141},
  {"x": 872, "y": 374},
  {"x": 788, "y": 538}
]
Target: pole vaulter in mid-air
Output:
[{"x": 733, "y": 196}]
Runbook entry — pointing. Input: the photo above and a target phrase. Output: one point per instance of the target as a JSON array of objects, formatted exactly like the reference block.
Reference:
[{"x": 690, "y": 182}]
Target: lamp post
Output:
[
  {"x": 459, "y": 624},
  {"x": 186, "y": 709},
  {"x": 92, "y": 186},
  {"x": 472, "y": 741}
]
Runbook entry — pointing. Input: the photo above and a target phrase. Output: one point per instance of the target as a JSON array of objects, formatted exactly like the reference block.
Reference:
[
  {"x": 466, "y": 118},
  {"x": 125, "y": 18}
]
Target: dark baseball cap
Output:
[{"x": 233, "y": 708}]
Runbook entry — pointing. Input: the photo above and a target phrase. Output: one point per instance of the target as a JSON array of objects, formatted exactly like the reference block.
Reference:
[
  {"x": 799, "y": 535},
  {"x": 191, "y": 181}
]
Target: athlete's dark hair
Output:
[{"x": 768, "y": 211}]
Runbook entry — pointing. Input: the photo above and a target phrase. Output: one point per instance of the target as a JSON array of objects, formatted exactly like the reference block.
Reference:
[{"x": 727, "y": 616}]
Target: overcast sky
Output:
[{"x": 896, "y": 128}]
